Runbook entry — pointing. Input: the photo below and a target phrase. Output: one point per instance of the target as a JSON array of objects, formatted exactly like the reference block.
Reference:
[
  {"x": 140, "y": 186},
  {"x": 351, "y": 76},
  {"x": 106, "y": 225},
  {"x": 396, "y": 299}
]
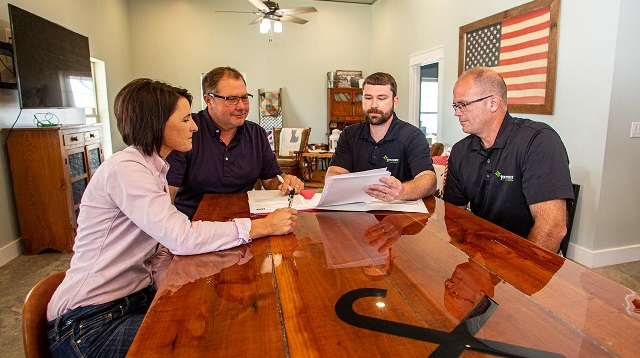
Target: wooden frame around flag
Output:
[{"x": 525, "y": 53}]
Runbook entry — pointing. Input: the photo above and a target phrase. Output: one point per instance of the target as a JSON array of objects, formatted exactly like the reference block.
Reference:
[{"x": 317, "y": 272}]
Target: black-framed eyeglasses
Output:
[
  {"x": 233, "y": 100},
  {"x": 463, "y": 105}
]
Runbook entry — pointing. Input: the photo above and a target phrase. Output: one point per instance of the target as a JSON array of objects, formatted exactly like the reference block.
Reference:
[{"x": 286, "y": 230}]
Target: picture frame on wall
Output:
[
  {"x": 521, "y": 44},
  {"x": 348, "y": 78}
]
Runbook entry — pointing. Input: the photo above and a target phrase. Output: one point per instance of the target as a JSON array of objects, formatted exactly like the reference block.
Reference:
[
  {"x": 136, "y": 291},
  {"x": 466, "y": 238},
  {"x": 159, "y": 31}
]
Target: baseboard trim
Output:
[
  {"x": 10, "y": 251},
  {"x": 599, "y": 258}
]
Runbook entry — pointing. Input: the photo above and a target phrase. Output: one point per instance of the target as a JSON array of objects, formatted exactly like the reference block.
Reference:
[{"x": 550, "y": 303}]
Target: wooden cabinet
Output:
[
  {"x": 50, "y": 169},
  {"x": 344, "y": 107}
]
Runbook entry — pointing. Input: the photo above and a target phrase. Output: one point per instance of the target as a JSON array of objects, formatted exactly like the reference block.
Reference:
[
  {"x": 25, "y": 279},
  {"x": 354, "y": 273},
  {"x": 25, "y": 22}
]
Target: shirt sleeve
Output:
[
  {"x": 343, "y": 156},
  {"x": 545, "y": 169},
  {"x": 454, "y": 192},
  {"x": 270, "y": 167},
  {"x": 177, "y": 168},
  {"x": 148, "y": 206},
  {"x": 418, "y": 155}
]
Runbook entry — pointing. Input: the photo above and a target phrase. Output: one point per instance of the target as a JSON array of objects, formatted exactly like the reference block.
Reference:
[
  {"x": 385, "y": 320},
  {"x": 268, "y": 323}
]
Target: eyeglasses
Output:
[
  {"x": 463, "y": 105},
  {"x": 233, "y": 100}
]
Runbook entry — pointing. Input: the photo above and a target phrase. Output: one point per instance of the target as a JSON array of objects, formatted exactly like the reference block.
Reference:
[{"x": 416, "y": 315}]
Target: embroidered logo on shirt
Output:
[
  {"x": 503, "y": 177},
  {"x": 390, "y": 160}
]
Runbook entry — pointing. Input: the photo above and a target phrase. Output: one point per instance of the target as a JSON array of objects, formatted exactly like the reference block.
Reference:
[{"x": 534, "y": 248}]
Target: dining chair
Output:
[
  {"x": 34, "y": 316},
  {"x": 571, "y": 213},
  {"x": 289, "y": 144}
]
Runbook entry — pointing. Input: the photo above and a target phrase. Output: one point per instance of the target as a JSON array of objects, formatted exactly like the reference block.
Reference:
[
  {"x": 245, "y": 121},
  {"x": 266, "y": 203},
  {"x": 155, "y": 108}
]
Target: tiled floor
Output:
[{"x": 18, "y": 276}]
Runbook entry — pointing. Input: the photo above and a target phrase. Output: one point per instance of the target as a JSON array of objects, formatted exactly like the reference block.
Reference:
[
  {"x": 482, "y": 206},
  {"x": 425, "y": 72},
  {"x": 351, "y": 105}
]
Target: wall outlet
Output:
[
  {"x": 635, "y": 129},
  {"x": 8, "y": 34}
]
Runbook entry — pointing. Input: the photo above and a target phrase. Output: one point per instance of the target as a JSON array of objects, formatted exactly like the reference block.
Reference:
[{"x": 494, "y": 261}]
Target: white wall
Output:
[
  {"x": 177, "y": 40},
  {"x": 586, "y": 114}
]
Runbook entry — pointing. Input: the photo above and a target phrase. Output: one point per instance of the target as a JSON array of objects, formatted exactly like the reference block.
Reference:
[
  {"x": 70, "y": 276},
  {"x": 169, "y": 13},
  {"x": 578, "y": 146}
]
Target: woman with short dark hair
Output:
[{"x": 125, "y": 215}]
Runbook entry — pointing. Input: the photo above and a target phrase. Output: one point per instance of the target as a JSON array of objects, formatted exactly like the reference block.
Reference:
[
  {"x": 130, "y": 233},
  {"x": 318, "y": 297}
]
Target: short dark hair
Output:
[
  {"x": 142, "y": 108},
  {"x": 382, "y": 79},
  {"x": 211, "y": 79}
]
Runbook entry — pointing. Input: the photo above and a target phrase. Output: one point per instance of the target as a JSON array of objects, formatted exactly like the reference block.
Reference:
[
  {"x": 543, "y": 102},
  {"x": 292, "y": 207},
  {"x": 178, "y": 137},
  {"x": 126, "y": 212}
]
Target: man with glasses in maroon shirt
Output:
[
  {"x": 513, "y": 172},
  {"x": 229, "y": 153}
]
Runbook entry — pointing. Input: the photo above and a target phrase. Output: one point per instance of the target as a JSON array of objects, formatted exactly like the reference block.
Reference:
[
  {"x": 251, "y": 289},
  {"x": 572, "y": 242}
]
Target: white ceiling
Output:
[{"x": 364, "y": 2}]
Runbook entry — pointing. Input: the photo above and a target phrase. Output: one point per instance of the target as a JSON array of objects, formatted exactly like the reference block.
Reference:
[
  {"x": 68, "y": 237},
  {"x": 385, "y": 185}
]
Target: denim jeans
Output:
[{"x": 104, "y": 330}]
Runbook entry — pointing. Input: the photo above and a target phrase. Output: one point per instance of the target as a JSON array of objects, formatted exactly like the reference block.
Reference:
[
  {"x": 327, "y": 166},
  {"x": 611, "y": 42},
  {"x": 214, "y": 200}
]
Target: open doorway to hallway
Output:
[{"x": 428, "y": 115}]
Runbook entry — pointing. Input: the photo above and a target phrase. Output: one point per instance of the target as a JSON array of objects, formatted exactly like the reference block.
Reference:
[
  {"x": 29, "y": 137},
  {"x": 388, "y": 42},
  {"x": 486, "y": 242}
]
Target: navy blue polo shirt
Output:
[
  {"x": 527, "y": 164},
  {"x": 211, "y": 167},
  {"x": 404, "y": 150}
]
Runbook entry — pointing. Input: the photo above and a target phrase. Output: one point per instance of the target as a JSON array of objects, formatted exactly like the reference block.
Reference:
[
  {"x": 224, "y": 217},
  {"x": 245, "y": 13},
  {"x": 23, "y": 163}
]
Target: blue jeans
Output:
[{"x": 104, "y": 330}]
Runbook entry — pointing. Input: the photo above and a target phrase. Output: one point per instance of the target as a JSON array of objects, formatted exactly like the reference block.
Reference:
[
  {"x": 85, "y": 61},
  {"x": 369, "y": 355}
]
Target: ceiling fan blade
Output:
[
  {"x": 257, "y": 20},
  {"x": 260, "y": 5},
  {"x": 294, "y": 19},
  {"x": 241, "y": 12},
  {"x": 296, "y": 10}
]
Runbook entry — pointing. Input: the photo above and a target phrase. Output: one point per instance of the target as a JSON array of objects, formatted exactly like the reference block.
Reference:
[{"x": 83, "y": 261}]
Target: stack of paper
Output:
[{"x": 343, "y": 192}]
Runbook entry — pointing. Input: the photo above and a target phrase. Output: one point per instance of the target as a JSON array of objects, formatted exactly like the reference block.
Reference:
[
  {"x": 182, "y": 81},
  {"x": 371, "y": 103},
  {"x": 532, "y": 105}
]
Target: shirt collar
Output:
[
  {"x": 215, "y": 132},
  {"x": 392, "y": 131},
  {"x": 154, "y": 160},
  {"x": 501, "y": 139}
]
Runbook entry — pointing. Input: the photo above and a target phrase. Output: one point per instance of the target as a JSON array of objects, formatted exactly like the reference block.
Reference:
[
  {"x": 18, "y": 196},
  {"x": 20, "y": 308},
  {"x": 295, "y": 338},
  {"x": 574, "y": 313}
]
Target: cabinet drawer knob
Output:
[{"x": 74, "y": 138}]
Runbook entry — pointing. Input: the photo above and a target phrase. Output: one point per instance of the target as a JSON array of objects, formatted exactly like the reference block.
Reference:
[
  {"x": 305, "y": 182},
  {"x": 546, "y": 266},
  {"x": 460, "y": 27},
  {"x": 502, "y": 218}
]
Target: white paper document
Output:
[
  {"x": 343, "y": 192},
  {"x": 349, "y": 188}
]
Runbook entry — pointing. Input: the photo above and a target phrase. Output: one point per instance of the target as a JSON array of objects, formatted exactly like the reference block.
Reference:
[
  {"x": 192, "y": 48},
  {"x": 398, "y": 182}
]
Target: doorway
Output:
[{"x": 428, "y": 110}]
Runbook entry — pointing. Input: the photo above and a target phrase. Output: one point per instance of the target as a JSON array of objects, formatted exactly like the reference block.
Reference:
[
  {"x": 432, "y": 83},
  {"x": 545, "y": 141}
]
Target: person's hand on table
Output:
[
  {"x": 388, "y": 191},
  {"x": 279, "y": 222}
]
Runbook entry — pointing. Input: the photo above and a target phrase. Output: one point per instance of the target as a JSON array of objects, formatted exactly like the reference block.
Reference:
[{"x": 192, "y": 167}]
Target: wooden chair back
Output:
[{"x": 34, "y": 316}]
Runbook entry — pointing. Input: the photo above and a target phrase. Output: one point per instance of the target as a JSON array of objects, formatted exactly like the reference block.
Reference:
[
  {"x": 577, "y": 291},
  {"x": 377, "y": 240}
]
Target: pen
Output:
[
  {"x": 291, "y": 191},
  {"x": 282, "y": 181}
]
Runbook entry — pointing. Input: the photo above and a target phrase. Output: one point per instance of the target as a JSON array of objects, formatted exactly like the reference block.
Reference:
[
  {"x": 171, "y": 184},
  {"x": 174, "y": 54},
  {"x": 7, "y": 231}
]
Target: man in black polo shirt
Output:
[
  {"x": 229, "y": 153},
  {"x": 384, "y": 141},
  {"x": 513, "y": 172}
]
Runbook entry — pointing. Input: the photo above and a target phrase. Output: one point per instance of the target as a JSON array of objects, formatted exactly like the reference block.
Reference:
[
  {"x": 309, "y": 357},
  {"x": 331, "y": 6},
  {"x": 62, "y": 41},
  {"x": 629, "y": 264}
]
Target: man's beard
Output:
[{"x": 384, "y": 116}]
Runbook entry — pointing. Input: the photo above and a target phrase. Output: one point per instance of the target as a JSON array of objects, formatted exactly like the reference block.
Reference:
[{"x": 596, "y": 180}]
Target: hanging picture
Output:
[
  {"x": 348, "y": 78},
  {"x": 522, "y": 45}
]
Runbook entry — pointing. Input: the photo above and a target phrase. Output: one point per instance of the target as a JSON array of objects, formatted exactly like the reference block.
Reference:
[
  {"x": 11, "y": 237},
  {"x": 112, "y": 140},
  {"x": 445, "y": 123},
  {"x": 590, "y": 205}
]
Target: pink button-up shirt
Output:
[{"x": 125, "y": 212}]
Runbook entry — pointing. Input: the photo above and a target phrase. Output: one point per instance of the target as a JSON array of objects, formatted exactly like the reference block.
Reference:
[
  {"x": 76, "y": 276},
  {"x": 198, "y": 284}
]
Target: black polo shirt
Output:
[
  {"x": 213, "y": 168},
  {"x": 527, "y": 164},
  {"x": 404, "y": 150}
]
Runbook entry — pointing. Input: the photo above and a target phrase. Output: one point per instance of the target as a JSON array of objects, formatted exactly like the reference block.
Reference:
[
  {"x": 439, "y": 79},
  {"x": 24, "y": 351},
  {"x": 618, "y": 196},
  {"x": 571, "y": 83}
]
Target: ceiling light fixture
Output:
[
  {"x": 265, "y": 26},
  {"x": 277, "y": 26}
]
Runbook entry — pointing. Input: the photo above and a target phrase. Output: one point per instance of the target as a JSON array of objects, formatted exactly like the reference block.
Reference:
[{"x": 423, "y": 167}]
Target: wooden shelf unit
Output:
[
  {"x": 344, "y": 107},
  {"x": 50, "y": 169}
]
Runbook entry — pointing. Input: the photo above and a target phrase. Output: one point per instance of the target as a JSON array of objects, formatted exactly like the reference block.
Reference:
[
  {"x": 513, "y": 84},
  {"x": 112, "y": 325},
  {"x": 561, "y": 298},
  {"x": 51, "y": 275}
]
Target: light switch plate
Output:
[{"x": 635, "y": 129}]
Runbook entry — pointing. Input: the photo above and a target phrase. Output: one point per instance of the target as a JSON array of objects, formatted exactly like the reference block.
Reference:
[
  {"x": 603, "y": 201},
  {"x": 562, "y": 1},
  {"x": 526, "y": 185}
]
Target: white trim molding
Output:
[
  {"x": 606, "y": 257},
  {"x": 10, "y": 251},
  {"x": 416, "y": 60}
]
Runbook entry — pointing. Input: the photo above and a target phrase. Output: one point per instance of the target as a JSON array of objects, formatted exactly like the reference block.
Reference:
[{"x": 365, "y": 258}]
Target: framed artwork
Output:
[
  {"x": 348, "y": 78},
  {"x": 522, "y": 45}
]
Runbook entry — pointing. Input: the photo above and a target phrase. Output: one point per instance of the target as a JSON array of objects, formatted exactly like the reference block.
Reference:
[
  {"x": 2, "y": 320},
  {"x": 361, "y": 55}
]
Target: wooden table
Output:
[
  {"x": 385, "y": 284},
  {"x": 314, "y": 166}
]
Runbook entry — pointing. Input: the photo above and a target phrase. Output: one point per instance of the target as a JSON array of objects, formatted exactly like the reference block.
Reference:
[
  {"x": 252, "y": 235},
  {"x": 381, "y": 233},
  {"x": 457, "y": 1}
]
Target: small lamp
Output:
[{"x": 277, "y": 26}]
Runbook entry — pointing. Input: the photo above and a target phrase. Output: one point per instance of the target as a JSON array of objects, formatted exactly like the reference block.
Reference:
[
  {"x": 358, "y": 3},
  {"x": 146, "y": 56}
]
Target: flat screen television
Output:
[{"x": 52, "y": 63}]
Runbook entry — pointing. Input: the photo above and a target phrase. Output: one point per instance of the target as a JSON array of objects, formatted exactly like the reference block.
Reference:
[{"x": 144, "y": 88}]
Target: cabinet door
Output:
[
  {"x": 94, "y": 158},
  {"x": 357, "y": 102},
  {"x": 341, "y": 102}
]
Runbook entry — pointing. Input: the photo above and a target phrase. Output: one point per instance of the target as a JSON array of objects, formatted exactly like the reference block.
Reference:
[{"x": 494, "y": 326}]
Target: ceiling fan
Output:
[{"x": 270, "y": 10}]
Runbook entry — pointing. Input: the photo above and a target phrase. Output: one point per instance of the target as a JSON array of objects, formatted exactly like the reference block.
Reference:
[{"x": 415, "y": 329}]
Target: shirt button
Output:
[
  {"x": 226, "y": 158},
  {"x": 488, "y": 160},
  {"x": 487, "y": 176}
]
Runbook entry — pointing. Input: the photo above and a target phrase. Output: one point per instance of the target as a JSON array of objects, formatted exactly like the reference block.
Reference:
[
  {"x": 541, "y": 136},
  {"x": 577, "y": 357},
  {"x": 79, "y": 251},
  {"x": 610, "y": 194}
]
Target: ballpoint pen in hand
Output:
[{"x": 291, "y": 191}]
